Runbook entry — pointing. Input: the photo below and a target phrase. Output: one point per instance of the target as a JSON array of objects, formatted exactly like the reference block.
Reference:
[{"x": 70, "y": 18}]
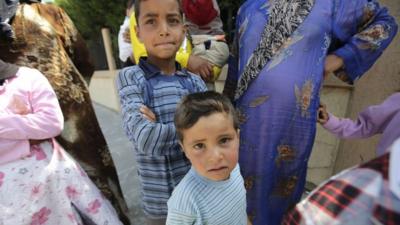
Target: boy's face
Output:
[
  {"x": 160, "y": 28},
  {"x": 212, "y": 146}
]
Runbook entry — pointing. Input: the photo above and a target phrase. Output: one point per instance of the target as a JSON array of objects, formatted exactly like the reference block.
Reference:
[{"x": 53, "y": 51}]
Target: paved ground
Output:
[{"x": 123, "y": 156}]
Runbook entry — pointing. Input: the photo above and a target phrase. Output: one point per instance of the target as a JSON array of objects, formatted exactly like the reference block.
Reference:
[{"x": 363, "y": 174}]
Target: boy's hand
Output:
[
  {"x": 201, "y": 67},
  {"x": 332, "y": 63},
  {"x": 323, "y": 115},
  {"x": 148, "y": 114}
]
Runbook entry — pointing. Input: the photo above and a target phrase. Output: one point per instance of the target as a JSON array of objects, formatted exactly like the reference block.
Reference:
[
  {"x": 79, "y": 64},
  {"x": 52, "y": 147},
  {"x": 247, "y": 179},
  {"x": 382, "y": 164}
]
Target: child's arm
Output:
[
  {"x": 201, "y": 67},
  {"x": 180, "y": 218},
  {"x": 150, "y": 137},
  {"x": 199, "y": 84},
  {"x": 43, "y": 120},
  {"x": 371, "y": 121}
]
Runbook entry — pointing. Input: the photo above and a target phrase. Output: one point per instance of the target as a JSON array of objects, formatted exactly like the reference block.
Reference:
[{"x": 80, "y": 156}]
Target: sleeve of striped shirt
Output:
[
  {"x": 178, "y": 218},
  {"x": 198, "y": 83},
  {"x": 151, "y": 138}
]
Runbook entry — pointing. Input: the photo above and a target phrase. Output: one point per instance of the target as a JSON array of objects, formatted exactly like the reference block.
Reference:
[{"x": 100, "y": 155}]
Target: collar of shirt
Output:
[
  {"x": 394, "y": 169},
  {"x": 151, "y": 70}
]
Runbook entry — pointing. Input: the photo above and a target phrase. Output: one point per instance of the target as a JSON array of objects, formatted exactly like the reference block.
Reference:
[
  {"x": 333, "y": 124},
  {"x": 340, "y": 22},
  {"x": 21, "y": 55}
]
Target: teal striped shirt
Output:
[{"x": 199, "y": 201}]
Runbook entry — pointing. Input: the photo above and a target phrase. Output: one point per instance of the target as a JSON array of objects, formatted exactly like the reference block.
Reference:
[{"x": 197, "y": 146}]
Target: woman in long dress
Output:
[{"x": 283, "y": 51}]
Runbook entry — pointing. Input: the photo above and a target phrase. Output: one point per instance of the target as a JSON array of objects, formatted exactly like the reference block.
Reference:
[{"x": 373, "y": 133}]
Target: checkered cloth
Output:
[{"x": 358, "y": 196}]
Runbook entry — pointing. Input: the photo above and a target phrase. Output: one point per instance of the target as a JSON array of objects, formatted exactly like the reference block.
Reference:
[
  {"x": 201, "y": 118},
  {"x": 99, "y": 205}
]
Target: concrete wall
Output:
[{"x": 103, "y": 90}]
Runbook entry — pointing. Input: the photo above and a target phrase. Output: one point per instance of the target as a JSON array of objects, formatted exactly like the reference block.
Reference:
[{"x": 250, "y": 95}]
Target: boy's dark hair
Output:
[
  {"x": 137, "y": 9},
  {"x": 196, "y": 105},
  {"x": 29, "y": 1},
  {"x": 130, "y": 3}
]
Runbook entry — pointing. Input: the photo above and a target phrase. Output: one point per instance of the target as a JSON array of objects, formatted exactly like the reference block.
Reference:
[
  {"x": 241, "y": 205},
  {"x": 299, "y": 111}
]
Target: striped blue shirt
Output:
[
  {"x": 199, "y": 201},
  {"x": 161, "y": 163}
]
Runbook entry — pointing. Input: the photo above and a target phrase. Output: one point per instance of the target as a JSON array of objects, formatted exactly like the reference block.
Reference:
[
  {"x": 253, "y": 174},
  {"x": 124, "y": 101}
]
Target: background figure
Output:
[
  {"x": 46, "y": 39},
  {"x": 206, "y": 32},
  {"x": 377, "y": 119},
  {"x": 39, "y": 182},
  {"x": 124, "y": 38},
  {"x": 7, "y": 10},
  {"x": 184, "y": 56},
  {"x": 275, "y": 78},
  {"x": 366, "y": 194}
]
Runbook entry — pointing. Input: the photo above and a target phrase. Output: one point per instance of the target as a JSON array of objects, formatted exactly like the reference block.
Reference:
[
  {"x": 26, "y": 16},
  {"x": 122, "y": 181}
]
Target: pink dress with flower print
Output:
[{"x": 41, "y": 184}]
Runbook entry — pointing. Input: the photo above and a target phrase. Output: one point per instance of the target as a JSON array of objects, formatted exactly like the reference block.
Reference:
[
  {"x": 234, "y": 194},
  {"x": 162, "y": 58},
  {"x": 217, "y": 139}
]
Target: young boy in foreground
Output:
[{"x": 212, "y": 192}]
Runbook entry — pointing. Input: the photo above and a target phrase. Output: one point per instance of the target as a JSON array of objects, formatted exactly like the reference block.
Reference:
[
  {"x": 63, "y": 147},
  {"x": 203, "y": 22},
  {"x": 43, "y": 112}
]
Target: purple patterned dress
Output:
[{"x": 278, "y": 109}]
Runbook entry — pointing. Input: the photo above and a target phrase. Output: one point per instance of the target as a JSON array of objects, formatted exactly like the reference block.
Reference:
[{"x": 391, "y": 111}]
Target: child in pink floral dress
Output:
[{"x": 40, "y": 184}]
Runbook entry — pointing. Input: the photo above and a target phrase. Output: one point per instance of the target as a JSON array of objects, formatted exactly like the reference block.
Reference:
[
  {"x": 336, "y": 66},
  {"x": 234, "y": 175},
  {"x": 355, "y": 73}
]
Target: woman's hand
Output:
[{"x": 332, "y": 63}]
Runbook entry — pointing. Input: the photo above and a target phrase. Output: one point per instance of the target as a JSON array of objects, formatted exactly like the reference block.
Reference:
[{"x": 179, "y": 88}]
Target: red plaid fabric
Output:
[
  {"x": 360, "y": 195},
  {"x": 334, "y": 197}
]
